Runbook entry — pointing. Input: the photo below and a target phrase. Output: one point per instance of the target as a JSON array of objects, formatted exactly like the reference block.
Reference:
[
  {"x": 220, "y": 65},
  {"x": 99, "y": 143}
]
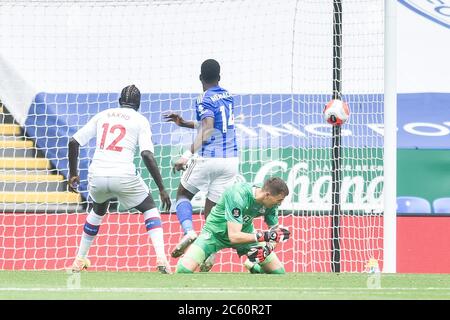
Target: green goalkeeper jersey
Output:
[{"x": 237, "y": 204}]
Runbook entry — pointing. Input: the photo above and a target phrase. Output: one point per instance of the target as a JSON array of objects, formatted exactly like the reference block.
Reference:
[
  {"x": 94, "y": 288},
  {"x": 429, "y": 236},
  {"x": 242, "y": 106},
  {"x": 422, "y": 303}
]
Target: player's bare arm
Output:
[
  {"x": 179, "y": 121},
  {"x": 74, "y": 179},
  {"x": 203, "y": 134},
  {"x": 205, "y": 131},
  {"x": 236, "y": 236},
  {"x": 150, "y": 163}
]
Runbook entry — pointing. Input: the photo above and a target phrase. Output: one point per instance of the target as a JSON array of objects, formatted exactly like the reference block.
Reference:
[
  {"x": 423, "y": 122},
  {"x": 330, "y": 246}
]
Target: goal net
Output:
[{"x": 61, "y": 62}]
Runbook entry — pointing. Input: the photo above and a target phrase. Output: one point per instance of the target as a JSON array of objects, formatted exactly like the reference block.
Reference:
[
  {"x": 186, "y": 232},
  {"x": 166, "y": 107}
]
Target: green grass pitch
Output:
[{"x": 90, "y": 285}]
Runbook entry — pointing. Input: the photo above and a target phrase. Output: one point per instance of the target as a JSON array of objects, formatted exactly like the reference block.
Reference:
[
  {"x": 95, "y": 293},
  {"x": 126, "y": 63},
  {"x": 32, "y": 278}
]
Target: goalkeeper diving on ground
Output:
[{"x": 230, "y": 225}]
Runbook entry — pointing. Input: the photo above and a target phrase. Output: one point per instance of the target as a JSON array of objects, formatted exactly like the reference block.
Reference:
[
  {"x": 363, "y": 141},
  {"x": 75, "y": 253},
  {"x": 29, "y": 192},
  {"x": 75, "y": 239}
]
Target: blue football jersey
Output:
[{"x": 217, "y": 103}]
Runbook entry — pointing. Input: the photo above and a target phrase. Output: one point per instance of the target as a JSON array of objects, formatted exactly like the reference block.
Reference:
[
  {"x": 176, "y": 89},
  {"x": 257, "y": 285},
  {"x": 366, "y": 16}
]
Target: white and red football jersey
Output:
[{"x": 118, "y": 132}]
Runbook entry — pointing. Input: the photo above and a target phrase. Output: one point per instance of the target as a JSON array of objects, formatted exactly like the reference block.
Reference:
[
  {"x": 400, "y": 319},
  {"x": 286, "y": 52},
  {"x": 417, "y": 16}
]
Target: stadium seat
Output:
[
  {"x": 441, "y": 205},
  {"x": 413, "y": 205}
]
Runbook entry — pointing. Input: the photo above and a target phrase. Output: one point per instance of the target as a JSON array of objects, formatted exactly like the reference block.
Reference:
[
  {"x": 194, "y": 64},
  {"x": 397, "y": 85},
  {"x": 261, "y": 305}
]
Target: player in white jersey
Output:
[
  {"x": 112, "y": 173},
  {"x": 217, "y": 164}
]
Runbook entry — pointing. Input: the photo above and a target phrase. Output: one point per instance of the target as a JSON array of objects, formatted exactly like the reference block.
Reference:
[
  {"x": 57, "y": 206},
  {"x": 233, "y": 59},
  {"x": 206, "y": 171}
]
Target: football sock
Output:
[
  {"x": 184, "y": 214},
  {"x": 256, "y": 269},
  {"x": 277, "y": 271},
  {"x": 181, "y": 268},
  {"x": 154, "y": 229},
  {"x": 90, "y": 230}
]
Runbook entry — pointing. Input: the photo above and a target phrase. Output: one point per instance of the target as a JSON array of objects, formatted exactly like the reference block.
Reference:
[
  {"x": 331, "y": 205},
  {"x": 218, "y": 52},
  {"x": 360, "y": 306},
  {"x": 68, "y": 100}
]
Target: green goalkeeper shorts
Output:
[{"x": 210, "y": 244}]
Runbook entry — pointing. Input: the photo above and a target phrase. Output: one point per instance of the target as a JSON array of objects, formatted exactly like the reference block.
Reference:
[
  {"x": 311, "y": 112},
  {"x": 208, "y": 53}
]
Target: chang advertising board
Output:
[
  {"x": 282, "y": 135},
  {"x": 297, "y": 147}
]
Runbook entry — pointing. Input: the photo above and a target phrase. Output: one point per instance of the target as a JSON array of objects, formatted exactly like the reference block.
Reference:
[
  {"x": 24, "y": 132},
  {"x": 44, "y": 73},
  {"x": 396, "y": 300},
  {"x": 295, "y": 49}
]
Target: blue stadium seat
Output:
[
  {"x": 441, "y": 205},
  {"x": 413, "y": 205}
]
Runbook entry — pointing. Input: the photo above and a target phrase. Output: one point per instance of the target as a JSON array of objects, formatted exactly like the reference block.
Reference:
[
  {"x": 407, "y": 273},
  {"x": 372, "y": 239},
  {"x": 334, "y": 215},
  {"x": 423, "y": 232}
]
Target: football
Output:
[{"x": 336, "y": 112}]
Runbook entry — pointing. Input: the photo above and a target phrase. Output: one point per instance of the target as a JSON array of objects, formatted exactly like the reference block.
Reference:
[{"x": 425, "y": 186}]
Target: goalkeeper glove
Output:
[
  {"x": 279, "y": 234},
  {"x": 258, "y": 254}
]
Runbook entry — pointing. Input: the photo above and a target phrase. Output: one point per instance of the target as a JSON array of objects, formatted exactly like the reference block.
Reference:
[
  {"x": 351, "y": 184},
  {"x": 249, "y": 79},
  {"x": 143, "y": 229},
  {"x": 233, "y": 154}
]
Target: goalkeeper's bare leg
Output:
[
  {"x": 191, "y": 260},
  {"x": 195, "y": 256}
]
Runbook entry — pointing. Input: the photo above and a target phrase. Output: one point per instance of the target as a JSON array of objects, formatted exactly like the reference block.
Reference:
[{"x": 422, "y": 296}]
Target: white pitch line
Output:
[{"x": 213, "y": 290}]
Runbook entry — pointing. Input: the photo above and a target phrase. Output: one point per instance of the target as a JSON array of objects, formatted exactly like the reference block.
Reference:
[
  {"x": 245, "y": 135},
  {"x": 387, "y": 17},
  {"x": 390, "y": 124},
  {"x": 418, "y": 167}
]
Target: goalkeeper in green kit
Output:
[{"x": 230, "y": 225}]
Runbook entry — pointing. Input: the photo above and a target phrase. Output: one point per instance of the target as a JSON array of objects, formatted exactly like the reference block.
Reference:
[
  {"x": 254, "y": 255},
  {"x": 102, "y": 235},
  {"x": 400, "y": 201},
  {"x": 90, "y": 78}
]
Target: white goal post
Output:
[{"x": 390, "y": 137}]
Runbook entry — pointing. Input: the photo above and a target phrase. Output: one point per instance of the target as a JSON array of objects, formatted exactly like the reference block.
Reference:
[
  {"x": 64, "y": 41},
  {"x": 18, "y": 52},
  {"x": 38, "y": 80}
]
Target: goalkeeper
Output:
[{"x": 230, "y": 225}]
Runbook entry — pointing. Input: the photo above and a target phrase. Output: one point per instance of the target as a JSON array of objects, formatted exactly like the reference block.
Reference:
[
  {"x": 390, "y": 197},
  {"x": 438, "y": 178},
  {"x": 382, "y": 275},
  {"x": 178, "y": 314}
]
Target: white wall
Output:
[
  {"x": 423, "y": 49},
  {"x": 263, "y": 46}
]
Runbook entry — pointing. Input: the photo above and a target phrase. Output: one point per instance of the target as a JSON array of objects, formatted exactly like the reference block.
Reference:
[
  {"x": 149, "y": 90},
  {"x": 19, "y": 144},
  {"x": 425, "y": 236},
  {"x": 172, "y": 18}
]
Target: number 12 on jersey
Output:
[{"x": 113, "y": 145}]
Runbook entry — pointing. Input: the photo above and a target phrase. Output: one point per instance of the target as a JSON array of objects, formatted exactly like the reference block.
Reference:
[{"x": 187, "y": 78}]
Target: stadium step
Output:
[
  {"x": 6, "y": 118},
  {"x": 9, "y": 137},
  {"x": 17, "y": 148},
  {"x": 45, "y": 186},
  {"x": 28, "y": 183},
  {"x": 32, "y": 183},
  {"x": 41, "y": 207},
  {"x": 28, "y": 172},
  {"x": 39, "y": 197},
  {"x": 10, "y": 129},
  {"x": 24, "y": 163},
  {"x": 21, "y": 153},
  {"x": 23, "y": 177},
  {"x": 16, "y": 144}
]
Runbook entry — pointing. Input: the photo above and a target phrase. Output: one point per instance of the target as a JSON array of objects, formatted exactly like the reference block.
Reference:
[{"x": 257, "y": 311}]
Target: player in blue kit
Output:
[{"x": 216, "y": 164}]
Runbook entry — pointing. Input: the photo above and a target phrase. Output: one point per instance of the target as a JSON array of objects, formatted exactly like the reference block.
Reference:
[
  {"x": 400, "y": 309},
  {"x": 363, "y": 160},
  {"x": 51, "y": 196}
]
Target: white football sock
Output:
[
  {"x": 152, "y": 220},
  {"x": 86, "y": 239}
]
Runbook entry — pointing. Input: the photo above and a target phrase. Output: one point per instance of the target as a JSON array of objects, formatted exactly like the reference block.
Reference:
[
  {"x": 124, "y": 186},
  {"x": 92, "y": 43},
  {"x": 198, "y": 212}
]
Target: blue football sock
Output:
[{"x": 184, "y": 214}]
